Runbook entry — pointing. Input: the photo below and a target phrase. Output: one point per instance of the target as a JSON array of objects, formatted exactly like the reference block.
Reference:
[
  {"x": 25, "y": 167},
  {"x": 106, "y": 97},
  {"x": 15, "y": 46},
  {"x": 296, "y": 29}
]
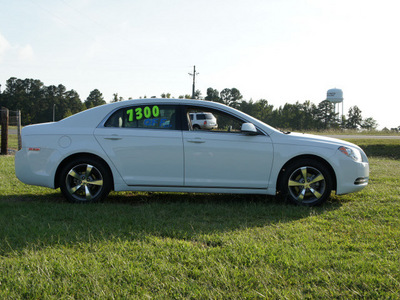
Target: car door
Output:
[
  {"x": 225, "y": 157},
  {"x": 145, "y": 144}
]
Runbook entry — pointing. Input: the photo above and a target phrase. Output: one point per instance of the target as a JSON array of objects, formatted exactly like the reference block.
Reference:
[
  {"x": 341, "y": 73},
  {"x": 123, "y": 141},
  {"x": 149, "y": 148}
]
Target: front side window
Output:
[
  {"x": 213, "y": 120},
  {"x": 144, "y": 116}
]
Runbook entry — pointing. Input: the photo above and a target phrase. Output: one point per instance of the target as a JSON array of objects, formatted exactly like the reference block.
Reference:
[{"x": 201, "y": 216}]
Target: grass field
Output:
[{"x": 140, "y": 245}]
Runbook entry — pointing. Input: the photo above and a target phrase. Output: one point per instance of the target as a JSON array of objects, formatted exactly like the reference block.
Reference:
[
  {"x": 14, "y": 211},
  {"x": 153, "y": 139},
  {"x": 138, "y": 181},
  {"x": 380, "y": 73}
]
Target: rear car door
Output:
[{"x": 144, "y": 142}]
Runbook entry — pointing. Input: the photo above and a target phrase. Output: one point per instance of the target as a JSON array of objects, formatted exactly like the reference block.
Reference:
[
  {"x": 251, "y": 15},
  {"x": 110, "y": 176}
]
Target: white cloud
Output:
[
  {"x": 15, "y": 53},
  {"x": 26, "y": 53},
  {"x": 4, "y": 46}
]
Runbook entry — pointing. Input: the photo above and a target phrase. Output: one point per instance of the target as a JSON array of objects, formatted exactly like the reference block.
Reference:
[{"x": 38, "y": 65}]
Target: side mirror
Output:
[{"x": 249, "y": 129}]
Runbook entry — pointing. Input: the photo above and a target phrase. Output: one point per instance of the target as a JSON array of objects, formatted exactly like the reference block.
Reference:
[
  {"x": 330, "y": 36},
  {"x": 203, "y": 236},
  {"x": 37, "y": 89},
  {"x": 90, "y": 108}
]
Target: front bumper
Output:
[{"x": 351, "y": 176}]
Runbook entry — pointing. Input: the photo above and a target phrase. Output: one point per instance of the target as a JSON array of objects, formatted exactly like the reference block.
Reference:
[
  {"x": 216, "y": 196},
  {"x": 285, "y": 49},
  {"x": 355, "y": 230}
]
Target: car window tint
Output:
[
  {"x": 213, "y": 120},
  {"x": 144, "y": 116}
]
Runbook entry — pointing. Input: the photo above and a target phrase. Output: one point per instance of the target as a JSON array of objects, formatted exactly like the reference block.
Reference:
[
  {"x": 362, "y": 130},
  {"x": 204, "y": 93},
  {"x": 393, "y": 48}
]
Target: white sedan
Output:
[{"x": 150, "y": 145}]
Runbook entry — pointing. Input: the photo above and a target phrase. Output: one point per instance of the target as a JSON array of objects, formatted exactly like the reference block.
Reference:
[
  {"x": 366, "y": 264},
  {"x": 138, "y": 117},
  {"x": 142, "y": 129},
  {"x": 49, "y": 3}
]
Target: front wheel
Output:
[
  {"x": 307, "y": 182},
  {"x": 85, "y": 180}
]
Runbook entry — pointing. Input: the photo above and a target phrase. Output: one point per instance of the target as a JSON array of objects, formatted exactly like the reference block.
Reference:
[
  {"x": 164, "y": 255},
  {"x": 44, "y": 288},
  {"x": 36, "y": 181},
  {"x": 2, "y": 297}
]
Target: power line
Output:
[{"x": 61, "y": 20}]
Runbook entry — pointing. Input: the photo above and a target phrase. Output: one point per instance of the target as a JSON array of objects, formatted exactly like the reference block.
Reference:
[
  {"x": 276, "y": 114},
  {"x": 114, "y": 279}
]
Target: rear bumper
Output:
[{"x": 36, "y": 167}]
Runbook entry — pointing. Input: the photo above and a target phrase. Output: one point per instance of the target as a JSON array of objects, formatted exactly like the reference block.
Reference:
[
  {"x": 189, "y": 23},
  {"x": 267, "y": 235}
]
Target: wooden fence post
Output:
[
  {"x": 19, "y": 129},
  {"x": 4, "y": 131}
]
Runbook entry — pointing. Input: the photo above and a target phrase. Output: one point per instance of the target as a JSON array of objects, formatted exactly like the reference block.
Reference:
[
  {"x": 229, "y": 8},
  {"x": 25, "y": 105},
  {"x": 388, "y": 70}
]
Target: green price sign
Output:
[{"x": 140, "y": 112}]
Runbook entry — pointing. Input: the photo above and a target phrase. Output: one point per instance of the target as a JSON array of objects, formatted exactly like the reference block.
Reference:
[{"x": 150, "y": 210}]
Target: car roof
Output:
[{"x": 94, "y": 116}]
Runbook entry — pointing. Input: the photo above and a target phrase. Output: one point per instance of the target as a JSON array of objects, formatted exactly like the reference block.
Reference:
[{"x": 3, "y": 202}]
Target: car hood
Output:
[{"x": 295, "y": 138}]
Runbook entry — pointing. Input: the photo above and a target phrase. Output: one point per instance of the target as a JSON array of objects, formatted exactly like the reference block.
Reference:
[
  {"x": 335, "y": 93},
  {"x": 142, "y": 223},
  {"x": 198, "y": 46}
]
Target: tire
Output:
[
  {"x": 306, "y": 182},
  {"x": 85, "y": 180},
  {"x": 196, "y": 127}
]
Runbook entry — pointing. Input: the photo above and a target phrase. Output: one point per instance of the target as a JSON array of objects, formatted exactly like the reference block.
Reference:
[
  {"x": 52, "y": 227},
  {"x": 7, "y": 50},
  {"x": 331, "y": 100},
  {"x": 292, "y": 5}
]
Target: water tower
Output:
[{"x": 335, "y": 96}]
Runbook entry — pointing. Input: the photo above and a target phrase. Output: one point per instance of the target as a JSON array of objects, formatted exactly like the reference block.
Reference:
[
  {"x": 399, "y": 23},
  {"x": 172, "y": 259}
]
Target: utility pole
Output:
[{"x": 194, "y": 80}]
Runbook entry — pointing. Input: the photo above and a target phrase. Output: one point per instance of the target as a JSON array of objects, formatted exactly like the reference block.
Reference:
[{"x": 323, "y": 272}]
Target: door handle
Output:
[
  {"x": 113, "y": 138},
  {"x": 197, "y": 141}
]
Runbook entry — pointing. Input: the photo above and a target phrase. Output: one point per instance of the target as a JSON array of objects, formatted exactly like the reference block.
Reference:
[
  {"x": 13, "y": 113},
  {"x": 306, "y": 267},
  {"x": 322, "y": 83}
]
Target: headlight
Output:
[{"x": 354, "y": 154}]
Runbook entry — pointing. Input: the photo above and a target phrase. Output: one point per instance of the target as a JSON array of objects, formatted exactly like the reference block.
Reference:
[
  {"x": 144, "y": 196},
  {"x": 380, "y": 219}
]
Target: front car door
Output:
[{"x": 224, "y": 157}]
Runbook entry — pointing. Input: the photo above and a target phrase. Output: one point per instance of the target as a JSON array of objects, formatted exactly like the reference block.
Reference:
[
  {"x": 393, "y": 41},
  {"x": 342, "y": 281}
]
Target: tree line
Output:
[
  {"x": 39, "y": 103},
  {"x": 298, "y": 116}
]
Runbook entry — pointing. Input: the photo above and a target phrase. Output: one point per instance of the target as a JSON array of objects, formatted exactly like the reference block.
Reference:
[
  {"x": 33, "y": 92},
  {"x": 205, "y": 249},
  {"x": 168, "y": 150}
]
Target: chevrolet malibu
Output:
[{"x": 151, "y": 145}]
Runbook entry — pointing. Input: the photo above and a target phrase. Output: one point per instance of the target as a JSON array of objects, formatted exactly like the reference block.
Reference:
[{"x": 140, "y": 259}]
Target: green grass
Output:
[
  {"x": 345, "y": 132},
  {"x": 12, "y": 142},
  {"x": 379, "y": 147},
  {"x": 140, "y": 245}
]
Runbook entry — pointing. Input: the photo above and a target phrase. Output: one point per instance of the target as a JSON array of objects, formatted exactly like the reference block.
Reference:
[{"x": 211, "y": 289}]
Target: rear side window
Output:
[{"x": 144, "y": 116}]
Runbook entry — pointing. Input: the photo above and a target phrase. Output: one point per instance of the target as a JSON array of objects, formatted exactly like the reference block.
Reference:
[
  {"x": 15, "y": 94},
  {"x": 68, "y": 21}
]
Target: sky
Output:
[{"x": 283, "y": 51}]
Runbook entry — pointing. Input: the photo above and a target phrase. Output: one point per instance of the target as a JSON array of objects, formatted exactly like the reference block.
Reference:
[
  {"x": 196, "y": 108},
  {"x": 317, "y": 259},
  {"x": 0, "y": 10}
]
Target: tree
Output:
[
  {"x": 38, "y": 102},
  {"x": 325, "y": 114},
  {"x": 309, "y": 115},
  {"x": 212, "y": 95},
  {"x": 264, "y": 110},
  {"x": 289, "y": 116},
  {"x": 369, "y": 124},
  {"x": 166, "y": 95},
  {"x": 231, "y": 97},
  {"x": 354, "y": 120},
  {"x": 53, "y": 96},
  {"x": 116, "y": 98},
  {"x": 95, "y": 98},
  {"x": 248, "y": 108},
  {"x": 25, "y": 95},
  {"x": 197, "y": 94},
  {"x": 73, "y": 103}
]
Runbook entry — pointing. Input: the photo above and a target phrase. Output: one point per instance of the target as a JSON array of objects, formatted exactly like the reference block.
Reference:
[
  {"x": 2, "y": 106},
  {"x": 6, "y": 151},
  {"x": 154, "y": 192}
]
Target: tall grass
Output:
[{"x": 156, "y": 245}]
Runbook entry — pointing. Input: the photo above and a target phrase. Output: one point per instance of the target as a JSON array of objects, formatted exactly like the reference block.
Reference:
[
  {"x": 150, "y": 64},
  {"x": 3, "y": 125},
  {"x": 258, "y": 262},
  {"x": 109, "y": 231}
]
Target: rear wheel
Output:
[
  {"x": 85, "y": 180},
  {"x": 307, "y": 182}
]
